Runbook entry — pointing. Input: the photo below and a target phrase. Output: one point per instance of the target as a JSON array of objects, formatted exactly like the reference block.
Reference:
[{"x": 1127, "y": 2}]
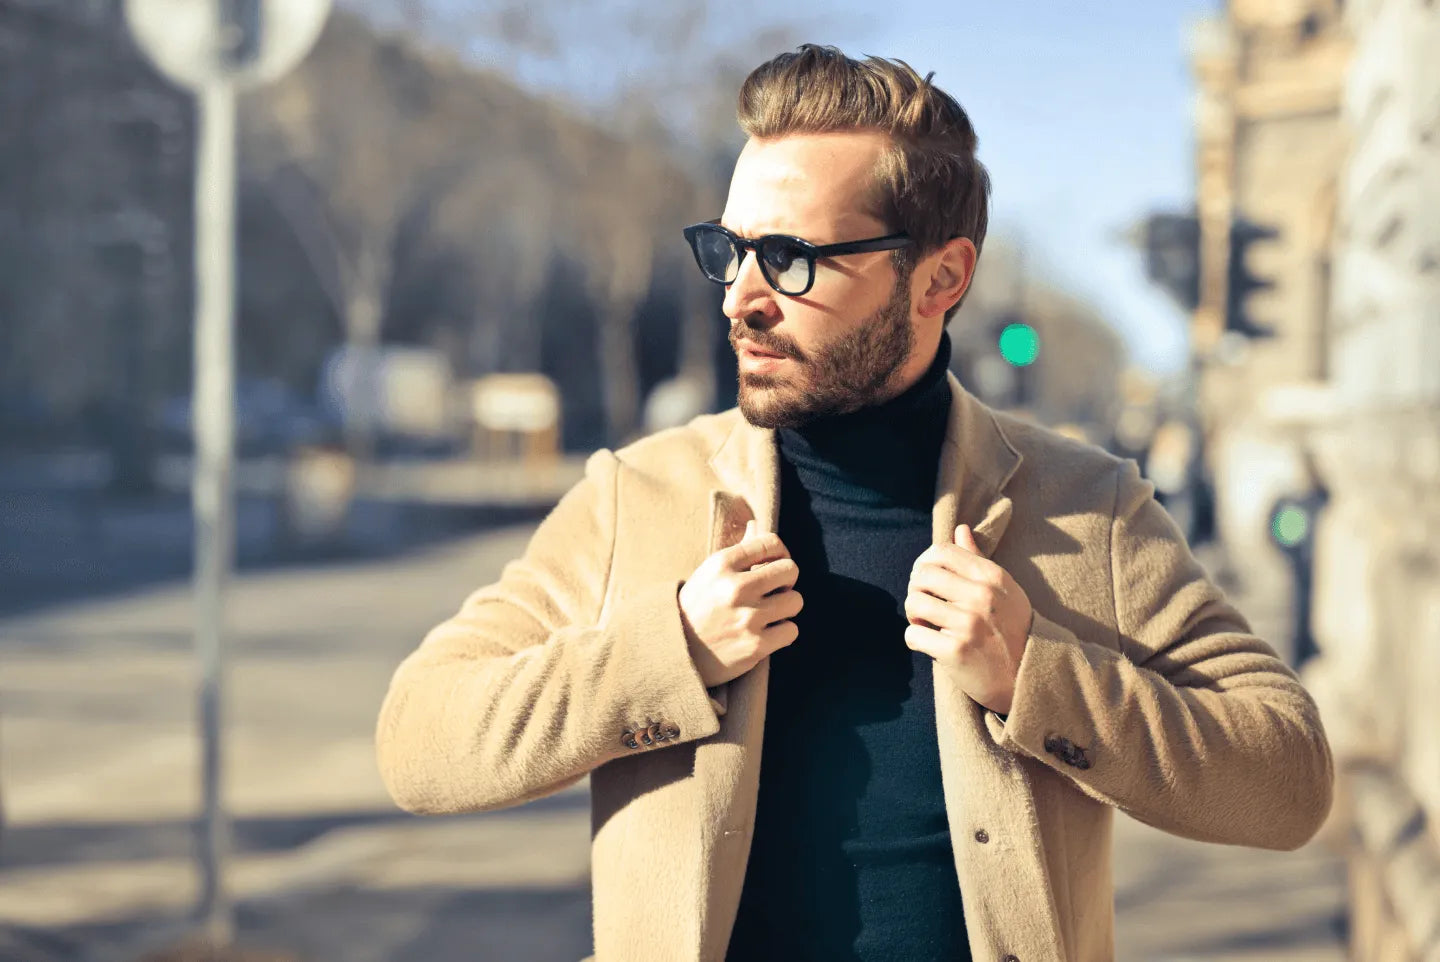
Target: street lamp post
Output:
[{"x": 213, "y": 48}]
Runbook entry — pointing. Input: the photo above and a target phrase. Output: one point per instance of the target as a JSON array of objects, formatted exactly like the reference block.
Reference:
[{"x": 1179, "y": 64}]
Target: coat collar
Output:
[{"x": 977, "y": 460}]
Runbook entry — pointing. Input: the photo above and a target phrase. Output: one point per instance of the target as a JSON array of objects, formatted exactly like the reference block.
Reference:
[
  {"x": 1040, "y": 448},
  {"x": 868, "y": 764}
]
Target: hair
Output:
[{"x": 928, "y": 182}]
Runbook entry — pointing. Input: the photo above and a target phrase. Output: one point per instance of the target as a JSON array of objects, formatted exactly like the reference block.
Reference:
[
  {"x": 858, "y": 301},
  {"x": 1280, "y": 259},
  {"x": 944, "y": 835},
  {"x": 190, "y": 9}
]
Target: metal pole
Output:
[{"x": 213, "y": 416}]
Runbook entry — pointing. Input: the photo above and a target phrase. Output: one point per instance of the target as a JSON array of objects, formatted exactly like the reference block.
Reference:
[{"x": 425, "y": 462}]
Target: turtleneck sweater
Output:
[{"x": 851, "y": 858}]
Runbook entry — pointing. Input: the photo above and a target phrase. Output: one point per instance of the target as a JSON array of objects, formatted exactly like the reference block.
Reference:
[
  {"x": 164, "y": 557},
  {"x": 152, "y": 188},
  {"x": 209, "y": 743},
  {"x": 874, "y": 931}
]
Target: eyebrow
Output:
[{"x": 787, "y": 233}]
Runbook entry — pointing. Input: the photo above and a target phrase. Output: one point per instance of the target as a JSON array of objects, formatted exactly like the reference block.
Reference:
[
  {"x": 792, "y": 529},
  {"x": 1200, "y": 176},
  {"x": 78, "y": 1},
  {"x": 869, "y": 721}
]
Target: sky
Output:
[{"x": 1082, "y": 107}]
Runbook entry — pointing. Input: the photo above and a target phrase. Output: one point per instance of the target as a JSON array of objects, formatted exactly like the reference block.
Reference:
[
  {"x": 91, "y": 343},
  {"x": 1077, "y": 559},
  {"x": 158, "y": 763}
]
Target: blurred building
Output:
[
  {"x": 1377, "y": 608},
  {"x": 1318, "y": 357},
  {"x": 94, "y": 231},
  {"x": 1269, "y": 147}
]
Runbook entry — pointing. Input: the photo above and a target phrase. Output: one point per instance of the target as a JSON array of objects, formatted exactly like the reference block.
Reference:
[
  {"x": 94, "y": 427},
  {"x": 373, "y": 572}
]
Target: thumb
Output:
[
  {"x": 966, "y": 539},
  {"x": 749, "y": 530}
]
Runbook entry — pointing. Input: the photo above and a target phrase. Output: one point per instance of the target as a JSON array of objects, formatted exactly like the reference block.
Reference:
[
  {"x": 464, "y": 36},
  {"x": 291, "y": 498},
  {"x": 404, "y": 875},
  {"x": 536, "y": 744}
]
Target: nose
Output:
[{"x": 749, "y": 294}]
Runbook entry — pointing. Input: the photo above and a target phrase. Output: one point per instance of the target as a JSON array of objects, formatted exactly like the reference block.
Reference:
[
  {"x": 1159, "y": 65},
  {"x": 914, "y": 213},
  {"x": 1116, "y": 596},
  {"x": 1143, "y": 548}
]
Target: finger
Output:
[
  {"x": 779, "y": 635},
  {"x": 927, "y": 641},
  {"x": 759, "y": 549},
  {"x": 770, "y": 578},
  {"x": 956, "y": 589},
  {"x": 966, "y": 564},
  {"x": 965, "y": 538},
  {"x": 778, "y": 607},
  {"x": 922, "y": 607}
]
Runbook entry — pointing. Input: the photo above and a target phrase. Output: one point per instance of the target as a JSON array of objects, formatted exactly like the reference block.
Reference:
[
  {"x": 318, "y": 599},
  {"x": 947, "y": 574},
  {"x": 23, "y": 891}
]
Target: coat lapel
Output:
[
  {"x": 976, "y": 462},
  {"x": 983, "y": 783},
  {"x": 727, "y": 764}
]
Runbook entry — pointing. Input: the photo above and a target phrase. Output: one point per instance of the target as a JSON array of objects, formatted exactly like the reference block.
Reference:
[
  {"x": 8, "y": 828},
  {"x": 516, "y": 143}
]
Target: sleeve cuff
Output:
[
  {"x": 1037, "y": 707},
  {"x": 661, "y": 681}
]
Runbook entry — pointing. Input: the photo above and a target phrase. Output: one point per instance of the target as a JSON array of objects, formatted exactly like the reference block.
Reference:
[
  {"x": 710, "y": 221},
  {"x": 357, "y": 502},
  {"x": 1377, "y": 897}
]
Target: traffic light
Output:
[
  {"x": 1171, "y": 244},
  {"x": 1242, "y": 282},
  {"x": 1018, "y": 344},
  {"x": 1292, "y": 530}
]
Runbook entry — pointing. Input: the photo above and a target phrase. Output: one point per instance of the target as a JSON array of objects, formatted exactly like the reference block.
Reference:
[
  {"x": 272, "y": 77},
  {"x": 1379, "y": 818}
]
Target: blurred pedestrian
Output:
[{"x": 858, "y": 669}]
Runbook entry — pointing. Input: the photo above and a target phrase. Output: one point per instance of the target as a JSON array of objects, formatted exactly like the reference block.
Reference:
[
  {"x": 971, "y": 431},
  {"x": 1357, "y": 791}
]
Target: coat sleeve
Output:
[
  {"x": 1194, "y": 725},
  {"x": 531, "y": 685}
]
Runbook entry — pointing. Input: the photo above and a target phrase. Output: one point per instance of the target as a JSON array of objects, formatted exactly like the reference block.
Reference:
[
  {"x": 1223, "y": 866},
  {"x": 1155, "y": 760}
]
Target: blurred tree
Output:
[
  {"x": 671, "y": 98},
  {"x": 93, "y": 235}
]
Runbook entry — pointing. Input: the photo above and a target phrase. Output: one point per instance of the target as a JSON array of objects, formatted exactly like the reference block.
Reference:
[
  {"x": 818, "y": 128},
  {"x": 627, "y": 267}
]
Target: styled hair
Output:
[{"x": 928, "y": 182}]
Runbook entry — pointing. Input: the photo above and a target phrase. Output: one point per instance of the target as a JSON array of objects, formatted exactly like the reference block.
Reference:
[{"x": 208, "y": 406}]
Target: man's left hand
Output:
[{"x": 968, "y": 614}]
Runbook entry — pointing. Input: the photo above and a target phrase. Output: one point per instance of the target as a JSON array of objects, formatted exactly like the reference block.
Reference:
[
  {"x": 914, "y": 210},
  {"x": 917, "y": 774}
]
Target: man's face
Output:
[{"x": 844, "y": 344}]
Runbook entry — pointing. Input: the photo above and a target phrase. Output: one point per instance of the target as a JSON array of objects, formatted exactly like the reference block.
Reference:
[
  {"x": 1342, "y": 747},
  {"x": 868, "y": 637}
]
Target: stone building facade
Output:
[
  {"x": 1321, "y": 121},
  {"x": 1377, "y": 608},
  {"x": 1268, "y": 150}
]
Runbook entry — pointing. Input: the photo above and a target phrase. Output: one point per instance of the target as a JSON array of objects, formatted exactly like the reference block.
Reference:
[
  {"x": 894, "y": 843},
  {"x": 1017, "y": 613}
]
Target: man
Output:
[{"x": 859, "y": 670}]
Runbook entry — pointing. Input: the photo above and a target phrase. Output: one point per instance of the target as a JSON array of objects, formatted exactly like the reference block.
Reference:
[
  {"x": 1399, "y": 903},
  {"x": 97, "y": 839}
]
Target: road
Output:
[{"x": 99, "y": 762}]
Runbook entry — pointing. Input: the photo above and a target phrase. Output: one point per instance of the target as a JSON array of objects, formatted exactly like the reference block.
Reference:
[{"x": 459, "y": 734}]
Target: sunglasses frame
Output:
[{"x": 811, "y": 252}]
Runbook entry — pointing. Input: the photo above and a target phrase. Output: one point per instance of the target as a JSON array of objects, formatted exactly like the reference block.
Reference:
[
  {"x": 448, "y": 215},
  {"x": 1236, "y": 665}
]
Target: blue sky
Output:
[{"x": 1083, "y": 109}]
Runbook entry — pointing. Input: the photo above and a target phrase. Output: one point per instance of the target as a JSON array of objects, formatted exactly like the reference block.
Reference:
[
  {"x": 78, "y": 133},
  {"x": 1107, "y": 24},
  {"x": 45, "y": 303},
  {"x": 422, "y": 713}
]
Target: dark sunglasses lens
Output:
[
  {"x": 716, "y": 254},
  {"x": 787, "y": 264}
]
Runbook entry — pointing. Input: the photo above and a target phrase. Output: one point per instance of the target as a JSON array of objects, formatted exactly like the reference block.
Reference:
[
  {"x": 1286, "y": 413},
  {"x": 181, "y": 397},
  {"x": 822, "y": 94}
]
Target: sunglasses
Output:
[{"x": 787, "y": 262}]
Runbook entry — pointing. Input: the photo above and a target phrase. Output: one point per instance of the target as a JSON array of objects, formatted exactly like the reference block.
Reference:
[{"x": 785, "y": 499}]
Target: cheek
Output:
[{"x": 853, "y": 296}]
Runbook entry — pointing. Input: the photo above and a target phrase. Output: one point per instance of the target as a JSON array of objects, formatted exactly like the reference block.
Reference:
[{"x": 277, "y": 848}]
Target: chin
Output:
[{"x": 773, "y": 415}]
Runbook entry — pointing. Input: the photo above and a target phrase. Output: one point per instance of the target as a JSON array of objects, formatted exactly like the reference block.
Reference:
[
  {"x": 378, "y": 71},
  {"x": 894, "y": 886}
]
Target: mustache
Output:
[{"x": 761, "y": 345}]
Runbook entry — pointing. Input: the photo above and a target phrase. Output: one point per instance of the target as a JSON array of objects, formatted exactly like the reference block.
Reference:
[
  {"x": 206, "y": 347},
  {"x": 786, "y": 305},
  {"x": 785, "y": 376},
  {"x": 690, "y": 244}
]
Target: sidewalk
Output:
[{"x": 99, "y": 761}]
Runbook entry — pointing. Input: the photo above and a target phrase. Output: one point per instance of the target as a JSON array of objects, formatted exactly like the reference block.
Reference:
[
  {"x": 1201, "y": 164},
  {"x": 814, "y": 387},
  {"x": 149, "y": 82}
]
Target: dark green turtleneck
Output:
[{"x": 851, "y": 858}]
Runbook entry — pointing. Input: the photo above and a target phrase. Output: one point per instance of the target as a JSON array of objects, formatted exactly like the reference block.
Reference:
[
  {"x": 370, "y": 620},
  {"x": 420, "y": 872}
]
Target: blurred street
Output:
[{"x": 100, "y": 769}]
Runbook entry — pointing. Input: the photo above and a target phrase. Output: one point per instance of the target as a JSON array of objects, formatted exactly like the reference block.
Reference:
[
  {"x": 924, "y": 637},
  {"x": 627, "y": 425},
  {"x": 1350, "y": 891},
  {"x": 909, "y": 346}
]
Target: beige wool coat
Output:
[{"x": 1141, "y": 689}]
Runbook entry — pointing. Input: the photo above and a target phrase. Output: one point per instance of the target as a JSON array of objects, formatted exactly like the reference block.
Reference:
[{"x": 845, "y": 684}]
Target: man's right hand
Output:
[{"x": 733, "y": 615}]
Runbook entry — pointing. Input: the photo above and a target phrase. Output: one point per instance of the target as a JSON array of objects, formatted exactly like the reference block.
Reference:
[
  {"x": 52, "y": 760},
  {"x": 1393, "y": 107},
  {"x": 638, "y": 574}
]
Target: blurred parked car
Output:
[{"x": 270, "y": 418}]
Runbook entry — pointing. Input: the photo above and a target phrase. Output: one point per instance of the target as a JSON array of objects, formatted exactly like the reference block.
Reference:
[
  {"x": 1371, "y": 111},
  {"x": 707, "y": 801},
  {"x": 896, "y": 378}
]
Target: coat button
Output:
[
  {"x": 672, "y": 730},
  {"x": 1067, "y": 751},
  {"x": 645, "y": 736},
  {"x": 627, "y": 738},
  {"x": 982, "y": 836},
  {"x": 1011, "y": 958}
]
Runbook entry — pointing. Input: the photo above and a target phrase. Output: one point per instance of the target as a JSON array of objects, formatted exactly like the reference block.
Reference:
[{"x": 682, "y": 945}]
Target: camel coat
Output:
[{"x": 1140, "y": 688}]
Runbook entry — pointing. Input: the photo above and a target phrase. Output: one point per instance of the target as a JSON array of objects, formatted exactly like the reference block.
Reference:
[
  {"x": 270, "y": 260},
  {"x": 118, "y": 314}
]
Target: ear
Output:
[{"x": 945, "y": 276}]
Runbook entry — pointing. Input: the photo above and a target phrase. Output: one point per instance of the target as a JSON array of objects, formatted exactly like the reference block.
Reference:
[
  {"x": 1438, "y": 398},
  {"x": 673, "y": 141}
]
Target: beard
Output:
[{"x": 857, "y": 370}]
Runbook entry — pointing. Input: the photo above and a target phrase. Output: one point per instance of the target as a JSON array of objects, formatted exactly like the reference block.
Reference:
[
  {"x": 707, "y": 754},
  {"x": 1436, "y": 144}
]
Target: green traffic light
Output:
[
  {"x": 1019, "y": 344},
  {"x": 1290, "y": 525}
]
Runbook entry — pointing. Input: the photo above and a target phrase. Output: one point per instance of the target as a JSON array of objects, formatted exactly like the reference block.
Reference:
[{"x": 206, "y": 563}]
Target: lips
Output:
[{"x": 758, "y": 352}]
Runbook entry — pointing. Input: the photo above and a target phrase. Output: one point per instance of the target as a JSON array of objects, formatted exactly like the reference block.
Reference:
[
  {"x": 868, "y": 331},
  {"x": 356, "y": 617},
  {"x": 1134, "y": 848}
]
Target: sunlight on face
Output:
[{"x": 844, "y": 342}]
